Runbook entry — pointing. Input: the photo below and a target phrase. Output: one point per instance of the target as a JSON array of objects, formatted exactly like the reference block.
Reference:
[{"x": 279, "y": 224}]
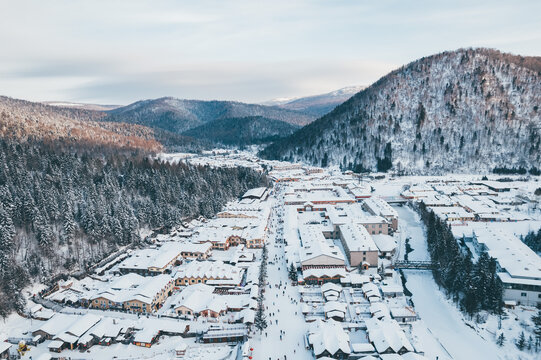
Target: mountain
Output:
[
  {"x": 177, "y": 115},
  {"x": 23, "y": 120},
  {"x": 318, "y": 105},
  {"x": 470, "y": 110},
  {"x": 242, "y": 131}
]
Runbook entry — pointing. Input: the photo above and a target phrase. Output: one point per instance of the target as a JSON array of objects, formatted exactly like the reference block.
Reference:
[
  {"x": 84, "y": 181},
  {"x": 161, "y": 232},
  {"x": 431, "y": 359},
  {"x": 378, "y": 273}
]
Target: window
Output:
[
  {"x": 539, "y": 296},
  {"x": 523, "y": 294}
]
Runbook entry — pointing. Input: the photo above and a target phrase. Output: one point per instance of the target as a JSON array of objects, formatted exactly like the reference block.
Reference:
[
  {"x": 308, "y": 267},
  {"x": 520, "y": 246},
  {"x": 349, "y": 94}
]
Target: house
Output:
[
  {"x": 152, "y": 261},
  {"x": 56, "y": 346},
  {"x": 404, "y": 314},
  {"x": 379, "y": 207},
  {"x": 225, "y": 333},
  {"x": 316, "y": 252},
  {"x": 134, "y": 293},
  {"x": 146, "y": 337},
  {"x": 322, "y": 276},
  {"x": 387, "y": 337},
  {"x": 518, "y": 266},
  {"x": 258, "y": 193},
  {"x": 328, "y": 339},
  {"x": 358, "y": 245},
  {"x": 55, "y": 325},
  {"x": 386, "y": 245},
  {"x": 198, "y": 299},
  {"x": 335, "y": 310},
  {"x": 209, "y": 272},
  {"x": 331, "y": 291},
  {"x": 200, "y": 251}
]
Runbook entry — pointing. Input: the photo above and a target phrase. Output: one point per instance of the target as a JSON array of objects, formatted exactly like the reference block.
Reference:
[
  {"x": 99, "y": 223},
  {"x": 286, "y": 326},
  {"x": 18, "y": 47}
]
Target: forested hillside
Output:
[
  {"x": 242, "y": 131},
  {"x": 470, "y": 110},
  {"x": 178, "y": 115},
  {"x": 22, "y": 120},
  {"x": 63, "y": 210}
]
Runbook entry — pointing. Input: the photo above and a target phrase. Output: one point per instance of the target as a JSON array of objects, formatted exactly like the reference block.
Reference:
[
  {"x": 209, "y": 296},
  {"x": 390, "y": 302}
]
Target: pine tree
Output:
[
  {"x": 501, "y": 340},
  {"x": 260, "y": 320},
  {"x": 521, "y": 341},
  {"x": 536, "y": 319},
  {"x": 292, "y": 273}
]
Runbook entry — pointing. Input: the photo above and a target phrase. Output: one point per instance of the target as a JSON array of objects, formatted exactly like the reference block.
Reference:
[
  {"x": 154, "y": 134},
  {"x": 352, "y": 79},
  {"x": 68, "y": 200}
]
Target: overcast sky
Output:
[{"x": 117, "y": 52}]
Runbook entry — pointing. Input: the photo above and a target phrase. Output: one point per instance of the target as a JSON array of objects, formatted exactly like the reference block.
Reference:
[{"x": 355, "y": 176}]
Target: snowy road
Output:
[
  {"x": 445, "y": 321},
  {"x": 283, "y": 312},
  {"x": 439, "y": 315}
]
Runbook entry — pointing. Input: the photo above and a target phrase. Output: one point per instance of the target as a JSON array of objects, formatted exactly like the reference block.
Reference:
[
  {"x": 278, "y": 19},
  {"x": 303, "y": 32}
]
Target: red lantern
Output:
[
  {"x": 249, "y": 357},
  {"x": 251, "y": 349}
]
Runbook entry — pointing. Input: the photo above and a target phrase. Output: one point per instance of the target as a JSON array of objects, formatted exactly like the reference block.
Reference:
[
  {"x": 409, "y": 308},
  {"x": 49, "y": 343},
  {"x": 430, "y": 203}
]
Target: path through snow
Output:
[{"x": 440, "y": 316}]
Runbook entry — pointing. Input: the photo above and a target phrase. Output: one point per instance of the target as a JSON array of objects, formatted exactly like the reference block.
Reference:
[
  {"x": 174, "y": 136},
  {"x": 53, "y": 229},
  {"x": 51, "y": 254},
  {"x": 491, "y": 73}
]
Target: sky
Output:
[{"x": 118, "y": 52}]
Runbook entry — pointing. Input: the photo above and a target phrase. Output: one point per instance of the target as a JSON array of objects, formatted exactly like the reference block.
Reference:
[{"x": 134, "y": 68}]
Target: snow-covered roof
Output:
[
  {"x": 314, "y": 244},
  {"x": 380, "y": 207},
  {"x": 153, "y": 257},
  {"x": 257, "y": 192},
  {"x": 4, "y": 346},
  {"x": 385, "y": 243},
  {"x": 210, "y": 270},
  {"x": 513, "y": 256},
  {"x": 83, "y": 324},
  {"x": 57, "y": 324},
  {"x": 357, "y": 238},
  {"x": 328, "y": 336},
  {"x": 386, "y": 334}
]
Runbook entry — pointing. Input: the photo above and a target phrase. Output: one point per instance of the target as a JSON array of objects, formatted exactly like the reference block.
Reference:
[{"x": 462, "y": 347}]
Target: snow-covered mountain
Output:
[
  {"x": 317, "y": 105},
  {"x": 178, "y": 115},
  {"x": 465, "y": 110}
]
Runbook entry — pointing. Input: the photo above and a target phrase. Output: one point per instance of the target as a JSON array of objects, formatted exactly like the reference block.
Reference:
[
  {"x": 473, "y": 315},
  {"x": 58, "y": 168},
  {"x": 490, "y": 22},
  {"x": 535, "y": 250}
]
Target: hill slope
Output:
[
  {"x": 465, "y": 110},
  {"x": 22, "y": 120},
  {"x": 319, "y": 105},
  {"x": 178, "y": 115},
  {"x": 242, "y": 131}
]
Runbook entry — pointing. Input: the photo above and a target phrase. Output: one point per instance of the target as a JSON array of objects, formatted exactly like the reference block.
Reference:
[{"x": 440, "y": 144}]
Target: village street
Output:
[{"x": 284, "y": 337}]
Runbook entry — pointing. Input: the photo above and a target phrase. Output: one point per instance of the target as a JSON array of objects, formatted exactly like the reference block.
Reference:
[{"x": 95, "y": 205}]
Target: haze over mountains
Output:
[{"x": 469, "y": 110}]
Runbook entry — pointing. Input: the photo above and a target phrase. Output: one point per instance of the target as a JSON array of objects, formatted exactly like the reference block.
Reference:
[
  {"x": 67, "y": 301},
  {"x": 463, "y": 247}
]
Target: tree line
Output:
[
  {"x": 474, "y": 286},
  {"x": 533, "y": 240},
  {"x": 65, "y": 210}
]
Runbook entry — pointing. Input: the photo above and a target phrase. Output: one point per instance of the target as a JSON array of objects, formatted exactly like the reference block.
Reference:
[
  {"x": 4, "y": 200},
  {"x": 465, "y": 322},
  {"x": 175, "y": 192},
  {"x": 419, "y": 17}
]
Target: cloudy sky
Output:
[{"x": 117, "y": 52}]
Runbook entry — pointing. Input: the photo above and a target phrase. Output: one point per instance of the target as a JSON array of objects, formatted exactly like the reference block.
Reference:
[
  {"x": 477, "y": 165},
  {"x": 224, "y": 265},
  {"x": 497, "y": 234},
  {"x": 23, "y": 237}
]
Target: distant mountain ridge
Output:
[
  {"x": 318, "y": 105},
  {"x": 470, "y": 110},
  {"x": 82, "y": 106},
  {"x": 178, "y": 115},
  {"x": 242, "y": 131}
]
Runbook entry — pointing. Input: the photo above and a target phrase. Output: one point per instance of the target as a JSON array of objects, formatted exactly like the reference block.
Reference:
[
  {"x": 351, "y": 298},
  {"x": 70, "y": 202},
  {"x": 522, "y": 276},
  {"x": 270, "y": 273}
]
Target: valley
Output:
[{"x": 316, "y": 245}]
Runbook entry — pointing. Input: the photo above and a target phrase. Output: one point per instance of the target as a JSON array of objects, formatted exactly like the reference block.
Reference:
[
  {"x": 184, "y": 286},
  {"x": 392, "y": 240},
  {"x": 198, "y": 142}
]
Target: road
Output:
[{"x": 283, "y": 312}]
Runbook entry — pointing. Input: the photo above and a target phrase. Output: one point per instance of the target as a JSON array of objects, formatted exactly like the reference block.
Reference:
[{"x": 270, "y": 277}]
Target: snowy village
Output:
[{"x": 321, "y": 264}]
